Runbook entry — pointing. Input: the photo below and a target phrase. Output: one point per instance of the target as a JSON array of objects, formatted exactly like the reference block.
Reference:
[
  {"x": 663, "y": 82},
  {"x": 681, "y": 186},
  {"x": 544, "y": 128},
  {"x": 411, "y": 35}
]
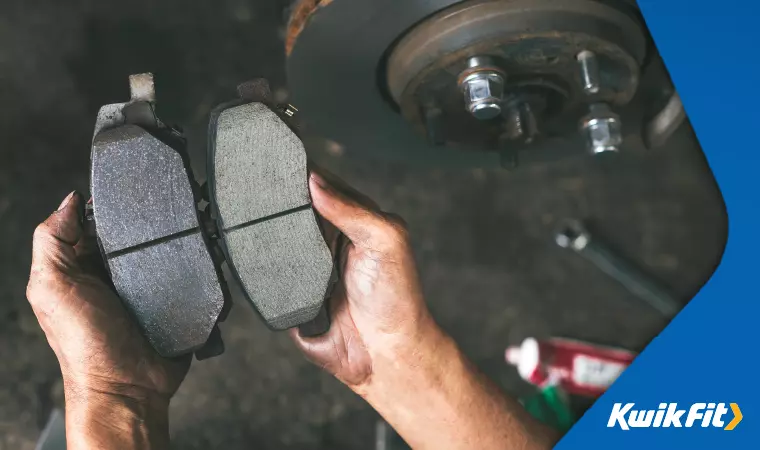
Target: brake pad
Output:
[
  {"x": 160, "y": 250},
  {"x": 268, "y": 231},
  {"x": 149, "y": 230}
]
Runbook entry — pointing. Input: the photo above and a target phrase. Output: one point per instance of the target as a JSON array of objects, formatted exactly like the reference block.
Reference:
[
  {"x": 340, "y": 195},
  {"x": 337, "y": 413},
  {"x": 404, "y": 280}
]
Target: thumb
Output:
[
  {"x": 359, "y": 223},
  {"x": 58, "y": 234}
]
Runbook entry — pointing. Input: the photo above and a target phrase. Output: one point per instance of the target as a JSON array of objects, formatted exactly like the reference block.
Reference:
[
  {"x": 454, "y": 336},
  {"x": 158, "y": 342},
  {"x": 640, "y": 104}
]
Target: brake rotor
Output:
[{"x": 365, "y": 72}]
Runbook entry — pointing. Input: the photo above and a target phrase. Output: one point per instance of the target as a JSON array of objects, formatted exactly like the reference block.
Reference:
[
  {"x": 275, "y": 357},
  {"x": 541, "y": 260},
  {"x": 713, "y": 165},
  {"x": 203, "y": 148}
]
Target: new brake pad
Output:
[
  {"x": 150, "y": 233},
  {"x": 159, "y": 249},
  {"x": 268, "y": 230}
]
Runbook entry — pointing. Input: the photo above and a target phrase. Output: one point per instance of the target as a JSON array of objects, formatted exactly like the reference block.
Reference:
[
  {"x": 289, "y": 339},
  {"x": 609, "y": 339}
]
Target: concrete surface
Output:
[{"x": 490, "y": 270}]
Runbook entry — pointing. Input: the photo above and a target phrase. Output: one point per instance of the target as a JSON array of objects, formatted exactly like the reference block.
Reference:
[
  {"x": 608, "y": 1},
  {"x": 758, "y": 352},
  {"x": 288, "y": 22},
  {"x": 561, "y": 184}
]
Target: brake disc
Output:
[{"x": 364, "y": 73}]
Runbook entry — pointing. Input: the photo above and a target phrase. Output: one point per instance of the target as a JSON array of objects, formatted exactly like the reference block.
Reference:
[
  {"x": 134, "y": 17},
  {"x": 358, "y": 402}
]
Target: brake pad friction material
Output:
[
  {"x": 171, "y": 293},
  {"x": 140, "y": 187},
  {"x": 270, "y": 232},
  {"x": 148, "y": 227},
  {"x": 260, "y": 165},
  {"x": 275, "y": 260}
]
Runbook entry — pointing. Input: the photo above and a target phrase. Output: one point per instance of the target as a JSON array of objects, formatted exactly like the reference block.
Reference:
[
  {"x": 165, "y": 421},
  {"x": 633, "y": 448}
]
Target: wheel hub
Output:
[{"x": 385, "y": 77}]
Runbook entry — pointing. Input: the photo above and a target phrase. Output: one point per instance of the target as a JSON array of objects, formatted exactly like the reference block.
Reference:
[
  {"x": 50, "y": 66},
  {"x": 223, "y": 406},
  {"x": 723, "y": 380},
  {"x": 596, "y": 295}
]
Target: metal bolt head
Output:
[
  {"x": 483, "y": 93},
  {"x": 603, "y": 129},
  {"x": 482, "y": 84}
]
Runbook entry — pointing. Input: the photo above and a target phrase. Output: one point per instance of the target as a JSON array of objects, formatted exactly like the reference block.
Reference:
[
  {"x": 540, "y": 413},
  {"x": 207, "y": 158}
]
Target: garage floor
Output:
[{"x": 490, "y": 269}]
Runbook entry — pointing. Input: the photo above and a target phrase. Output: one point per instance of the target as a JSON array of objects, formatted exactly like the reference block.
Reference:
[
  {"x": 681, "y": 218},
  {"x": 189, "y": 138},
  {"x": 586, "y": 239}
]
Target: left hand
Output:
[{"x": 100, "y": 349}]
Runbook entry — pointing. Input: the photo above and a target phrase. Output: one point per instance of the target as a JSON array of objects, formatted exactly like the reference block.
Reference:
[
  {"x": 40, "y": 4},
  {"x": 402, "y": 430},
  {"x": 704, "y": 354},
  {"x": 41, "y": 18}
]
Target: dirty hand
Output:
[
  {"x": 377, "y": 309},
  {"x": 384, "y": 344},
  {"x": 112, "y": 377}
]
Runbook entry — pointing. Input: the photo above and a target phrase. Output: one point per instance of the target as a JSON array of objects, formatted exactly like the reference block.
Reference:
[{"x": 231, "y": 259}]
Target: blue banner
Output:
[{"x": 693, "y": 385}]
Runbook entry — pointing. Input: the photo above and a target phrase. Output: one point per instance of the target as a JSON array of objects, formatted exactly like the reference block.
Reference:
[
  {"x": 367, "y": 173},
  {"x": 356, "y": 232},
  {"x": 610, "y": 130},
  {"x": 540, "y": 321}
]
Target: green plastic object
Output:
[{"x": 551, "y": 406}]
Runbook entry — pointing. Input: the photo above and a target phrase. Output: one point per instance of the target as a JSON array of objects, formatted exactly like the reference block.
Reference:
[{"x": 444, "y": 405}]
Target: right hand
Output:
[
  {"x": 377, "y": 309},
  {"x": 384, "y": 344}
]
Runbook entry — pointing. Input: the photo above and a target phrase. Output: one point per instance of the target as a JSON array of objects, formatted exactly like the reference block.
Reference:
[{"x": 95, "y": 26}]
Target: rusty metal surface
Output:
[
  {"x": 528, "y": 36},
  {"x": 535, "y": 43},
  {"x": 339, "y": 71},
  {"x": 333, "y": 73},
  {"x": 299, "y": 17}
]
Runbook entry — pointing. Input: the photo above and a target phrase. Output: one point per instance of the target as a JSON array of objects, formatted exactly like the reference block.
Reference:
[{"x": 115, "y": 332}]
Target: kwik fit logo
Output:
[{"x": 670, "y": 415}]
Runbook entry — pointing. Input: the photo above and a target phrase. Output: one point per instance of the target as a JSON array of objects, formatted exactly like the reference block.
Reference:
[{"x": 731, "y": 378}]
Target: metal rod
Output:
[
  {"x": 589, "y": 66},
  {"x": 575, "y": 237}
]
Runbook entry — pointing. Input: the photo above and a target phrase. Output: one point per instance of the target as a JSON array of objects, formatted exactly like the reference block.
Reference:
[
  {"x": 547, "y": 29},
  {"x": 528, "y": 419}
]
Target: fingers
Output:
[
  {"x": 59, "y": 233},
  {"x": 65, "y": 223},
  {"x": 340, "y": 351},
  {"x": 52, "y": 255},
  {"x": 341, "y": 186},
  {"x": 364, "y": 226},
  {"x": 334, "y": 305},
  {"x": 318, "y": 349}
]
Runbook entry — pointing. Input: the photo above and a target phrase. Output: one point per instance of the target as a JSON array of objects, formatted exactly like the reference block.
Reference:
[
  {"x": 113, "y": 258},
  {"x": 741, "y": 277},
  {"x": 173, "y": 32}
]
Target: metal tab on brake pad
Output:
[
  {"x": 149, "y": 231},
  {"x": 268, "y": 229}
]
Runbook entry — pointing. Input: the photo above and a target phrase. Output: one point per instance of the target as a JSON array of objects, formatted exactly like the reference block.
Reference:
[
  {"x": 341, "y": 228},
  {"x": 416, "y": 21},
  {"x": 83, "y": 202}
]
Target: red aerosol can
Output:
[{"x": 577, "y": 367}]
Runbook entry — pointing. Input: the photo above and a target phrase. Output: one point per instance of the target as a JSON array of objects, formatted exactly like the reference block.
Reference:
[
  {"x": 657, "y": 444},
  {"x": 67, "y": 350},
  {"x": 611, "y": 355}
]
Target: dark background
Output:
[{"x": 483, "y": 239}]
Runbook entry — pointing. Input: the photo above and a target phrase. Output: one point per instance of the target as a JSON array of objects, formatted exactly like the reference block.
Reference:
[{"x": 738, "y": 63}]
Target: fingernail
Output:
[
  {"x": 66, "y": 200},
  {"x": 317, "y": 178}
]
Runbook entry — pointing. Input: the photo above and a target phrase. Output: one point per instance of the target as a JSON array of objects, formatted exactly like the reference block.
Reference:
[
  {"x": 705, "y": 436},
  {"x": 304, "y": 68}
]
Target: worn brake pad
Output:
[
  {"x": 267, "y": 227},
  {"x": 150, "y": 233}
]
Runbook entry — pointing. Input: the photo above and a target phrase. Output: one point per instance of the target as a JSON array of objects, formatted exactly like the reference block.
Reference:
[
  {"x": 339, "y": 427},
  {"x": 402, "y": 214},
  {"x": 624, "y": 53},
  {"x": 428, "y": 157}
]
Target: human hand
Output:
[
  {"x": 377, "y": 309},
  {"x": 108, "y": 367},
  {"x": 384, "y": 344}
]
